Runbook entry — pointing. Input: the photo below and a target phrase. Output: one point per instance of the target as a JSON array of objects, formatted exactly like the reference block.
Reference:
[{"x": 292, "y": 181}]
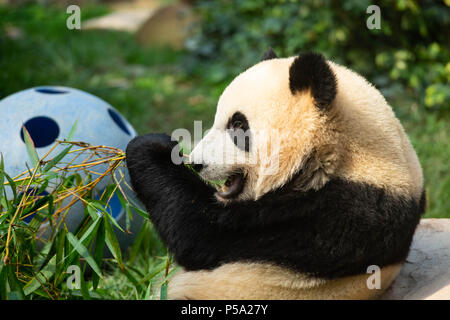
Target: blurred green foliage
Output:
[{"x": 409, "y": 53}]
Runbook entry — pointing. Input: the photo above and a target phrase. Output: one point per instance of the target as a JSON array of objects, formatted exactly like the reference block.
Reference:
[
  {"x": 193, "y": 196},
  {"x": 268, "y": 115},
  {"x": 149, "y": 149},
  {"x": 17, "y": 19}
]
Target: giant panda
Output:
[{"x": 346, "y": 194}]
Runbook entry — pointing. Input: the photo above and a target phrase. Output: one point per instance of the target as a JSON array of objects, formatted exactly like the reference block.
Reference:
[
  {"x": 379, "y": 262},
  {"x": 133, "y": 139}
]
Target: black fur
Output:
[
  {"x": 239, "y": 130},
  {"x": 269, "y": 55},
  {"x": 337, "y": 231},
  {"x": 311, "y": 71}
]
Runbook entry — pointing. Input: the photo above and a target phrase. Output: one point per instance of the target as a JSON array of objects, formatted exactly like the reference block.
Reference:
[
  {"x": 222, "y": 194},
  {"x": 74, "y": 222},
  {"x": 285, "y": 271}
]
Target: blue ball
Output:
[{"x": 49, "y": 114}]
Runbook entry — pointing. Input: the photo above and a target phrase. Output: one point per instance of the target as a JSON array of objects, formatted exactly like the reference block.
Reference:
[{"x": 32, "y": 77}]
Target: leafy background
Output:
[{"x": 159, "y": 89}]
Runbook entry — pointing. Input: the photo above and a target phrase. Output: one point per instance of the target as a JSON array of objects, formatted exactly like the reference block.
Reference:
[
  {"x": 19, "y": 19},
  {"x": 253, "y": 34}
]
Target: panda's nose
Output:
[{"x": 197, "y": 166}]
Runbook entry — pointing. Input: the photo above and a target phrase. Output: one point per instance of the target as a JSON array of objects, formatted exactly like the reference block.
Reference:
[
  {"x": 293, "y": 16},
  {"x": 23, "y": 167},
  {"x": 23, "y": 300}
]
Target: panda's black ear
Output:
[
  {"x": 269, "y": 54},
  {"x": 310, "y": 71}
]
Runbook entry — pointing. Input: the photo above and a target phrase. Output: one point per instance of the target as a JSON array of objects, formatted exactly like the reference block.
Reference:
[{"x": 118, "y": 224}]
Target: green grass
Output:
[
  {"x": 430, "y": 136},
  {"x": 151, "y": 87}
]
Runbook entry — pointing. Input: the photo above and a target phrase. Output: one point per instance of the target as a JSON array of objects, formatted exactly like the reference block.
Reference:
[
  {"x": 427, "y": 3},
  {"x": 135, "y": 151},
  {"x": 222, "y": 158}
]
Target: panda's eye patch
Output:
[
  {"x": 238, "y": 130},
  {"x": 238, "y": 121}
]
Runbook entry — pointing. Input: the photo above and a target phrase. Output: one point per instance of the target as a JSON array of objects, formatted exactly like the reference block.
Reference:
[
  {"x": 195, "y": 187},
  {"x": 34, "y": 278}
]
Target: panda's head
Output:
[{"x": 302, "y": 120}]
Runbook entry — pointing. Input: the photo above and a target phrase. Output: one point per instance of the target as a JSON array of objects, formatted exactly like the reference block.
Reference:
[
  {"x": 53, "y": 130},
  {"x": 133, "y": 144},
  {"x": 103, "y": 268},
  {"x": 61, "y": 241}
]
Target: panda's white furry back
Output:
[{"x": 347, "y": 192}]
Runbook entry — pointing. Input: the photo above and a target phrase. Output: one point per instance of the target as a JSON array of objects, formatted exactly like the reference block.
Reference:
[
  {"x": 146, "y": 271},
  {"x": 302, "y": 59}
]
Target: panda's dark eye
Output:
[
  {"x": 237, "y": 124},
  {"x": 238, "y": 129},
  {"x": 238, "y": 121}
]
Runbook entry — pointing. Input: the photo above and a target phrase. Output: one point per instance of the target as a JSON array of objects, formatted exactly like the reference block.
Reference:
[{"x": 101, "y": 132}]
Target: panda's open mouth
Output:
[{"x": 232, "y": 187}]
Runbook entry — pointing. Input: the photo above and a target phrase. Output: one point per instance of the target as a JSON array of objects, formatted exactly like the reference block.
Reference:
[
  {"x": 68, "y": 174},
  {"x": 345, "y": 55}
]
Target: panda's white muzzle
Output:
[{"x": 220, "y": 160}]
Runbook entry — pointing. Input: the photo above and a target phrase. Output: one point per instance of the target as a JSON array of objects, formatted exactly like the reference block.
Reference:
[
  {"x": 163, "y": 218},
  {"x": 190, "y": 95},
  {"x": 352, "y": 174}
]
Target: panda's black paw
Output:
[{"x": 154, "y": 146}]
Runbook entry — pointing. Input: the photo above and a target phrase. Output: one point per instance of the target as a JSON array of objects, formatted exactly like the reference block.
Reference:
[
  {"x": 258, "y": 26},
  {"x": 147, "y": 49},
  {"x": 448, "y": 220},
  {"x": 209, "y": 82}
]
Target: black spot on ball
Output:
[
  {"x": 43, "y": 131},
  {"x": 51, "y": 91},
  {"x": 117, "y": 118}
]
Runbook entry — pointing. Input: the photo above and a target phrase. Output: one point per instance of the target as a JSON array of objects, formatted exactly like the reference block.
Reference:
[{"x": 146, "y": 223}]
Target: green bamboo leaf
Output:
[
  {"x": 14, "y": 295},
  {"x": 139, "y": 273},
  {"x": 84, "y": 252},
  {"x": 43, "y": 185},
  {"x": 49, "y": 211},
  {"x": 69, "y": 182},
  {"x": 90, "y": 232},
  {"x": 5, "y": 204},
  {"x": 67, "y": 260},
  {"x": 49, "y": 256},
  {"x": 3, "y": 218},
  {"x": 32, "y": 153},
  {"x": 16, "y": 292},
  {"x": 84, "y": 288},
  {"x": 50, "y": 175},
  {"x": 37, "y": 205},
  {"x": 154, "y": 272},
  {"x": 99, "y": 250},
  {"x": 140, "y": 212},
  {"x": 3, "y": 281},
  {"x": 102, "y": 209},
  {"x": 136, "y": 247},
  {"x": 40, "y": 277},
  {"x": 92, "y": 295},
  {"x": 92, "y": 211},
  {"x": 72, "y": 131},
  {"x": 170, "y": 274},
  {"x": 163, "y": 294},
  {"x": 128, "y": 217},
  {"x": 12, "y": 186},
  {"x": 112, "y": 243},
  {"x": 2, "y": 177},
  {"x": 126, "y": 209},
  {"x": 56, "y": 159},
  {"x": 60, "y": 239},
  {"x": 40, "y": 292},
  {"x": 132, "y": 279},
  {"x": 148, "y": 292}
]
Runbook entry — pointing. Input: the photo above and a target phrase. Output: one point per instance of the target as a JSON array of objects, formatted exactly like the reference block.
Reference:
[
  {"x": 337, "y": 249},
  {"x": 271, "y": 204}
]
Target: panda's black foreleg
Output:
[
  {"x": 178, "y": 201},
  {"x": 154, "y": 175}
]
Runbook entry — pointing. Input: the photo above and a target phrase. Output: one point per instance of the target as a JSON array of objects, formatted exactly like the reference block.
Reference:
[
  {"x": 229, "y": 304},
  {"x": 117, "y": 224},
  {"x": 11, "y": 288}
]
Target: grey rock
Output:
[{"x": 426, "y": 272}]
